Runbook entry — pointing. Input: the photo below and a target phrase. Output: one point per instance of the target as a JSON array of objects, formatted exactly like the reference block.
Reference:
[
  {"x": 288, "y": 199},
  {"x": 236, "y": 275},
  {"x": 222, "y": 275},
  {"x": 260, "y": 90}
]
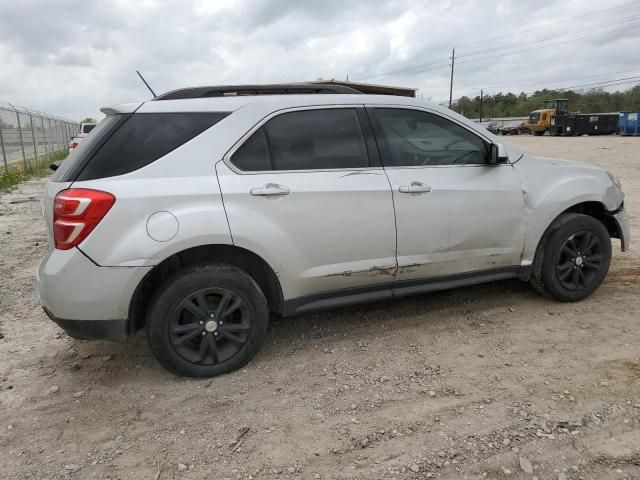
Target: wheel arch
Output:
[
  {"x": 591, "y": 208},
  {"x": 598, "y": 211},
  {"x": 246, "y": 260}
]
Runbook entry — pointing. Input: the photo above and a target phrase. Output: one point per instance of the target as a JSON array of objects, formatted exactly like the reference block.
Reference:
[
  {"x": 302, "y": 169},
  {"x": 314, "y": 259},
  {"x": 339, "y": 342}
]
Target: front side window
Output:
[
  {"x": 417, "y": 138},
  {"x": 305, "y": 140}
]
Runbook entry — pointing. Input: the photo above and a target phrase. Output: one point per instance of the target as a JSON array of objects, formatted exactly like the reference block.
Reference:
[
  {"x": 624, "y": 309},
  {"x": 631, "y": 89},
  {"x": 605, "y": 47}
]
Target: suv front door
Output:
[
  {"x": 306, "y": 192},
  {"x": 455, "y": 213}
]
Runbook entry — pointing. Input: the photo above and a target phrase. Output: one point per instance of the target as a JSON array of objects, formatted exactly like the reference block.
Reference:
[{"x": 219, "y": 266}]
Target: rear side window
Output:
[
  {"x": 253, "y": 155},
  {"x": 75, "y": 162},
  {"x": 306, "y": 140},
  {"x": 144, "y": 138}
]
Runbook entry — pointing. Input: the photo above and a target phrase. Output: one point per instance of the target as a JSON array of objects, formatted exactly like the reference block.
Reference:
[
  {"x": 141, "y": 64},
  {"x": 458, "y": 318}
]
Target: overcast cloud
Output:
[{"x": 73, "y": 57}]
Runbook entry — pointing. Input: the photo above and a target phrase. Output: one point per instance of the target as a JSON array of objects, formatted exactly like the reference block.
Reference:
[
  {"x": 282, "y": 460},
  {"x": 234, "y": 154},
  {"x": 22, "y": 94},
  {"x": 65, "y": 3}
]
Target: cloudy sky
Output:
[{"x": 73, "y": 57}]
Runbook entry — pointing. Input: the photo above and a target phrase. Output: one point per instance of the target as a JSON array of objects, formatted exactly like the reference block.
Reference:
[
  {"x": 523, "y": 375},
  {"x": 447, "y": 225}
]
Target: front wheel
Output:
[
  {"x": 207, "y": 320},
  {"x": 573, "y": 258}
]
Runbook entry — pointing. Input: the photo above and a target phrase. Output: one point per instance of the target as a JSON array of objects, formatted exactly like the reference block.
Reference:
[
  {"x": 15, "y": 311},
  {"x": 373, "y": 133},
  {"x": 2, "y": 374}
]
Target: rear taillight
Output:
[
  {"x": 74, "y": 145},
  {"x": 76, "y": 212}
]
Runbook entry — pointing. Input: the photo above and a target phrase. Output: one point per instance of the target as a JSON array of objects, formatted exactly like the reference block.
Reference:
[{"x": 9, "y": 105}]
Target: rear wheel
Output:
[
  {"x": 538, "y": 133},
  {"x": 573, "y": 258},
  {"x": 207, "y": 320}
]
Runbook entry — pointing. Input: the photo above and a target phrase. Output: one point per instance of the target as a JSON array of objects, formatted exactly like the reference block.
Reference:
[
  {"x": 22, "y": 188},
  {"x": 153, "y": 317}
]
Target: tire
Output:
[
  {"x": 207, "y": 320},
  {"x": 573, "y": 258},
  {"x": 538, "y": 133},
  {"x": 538, "y": 287}
]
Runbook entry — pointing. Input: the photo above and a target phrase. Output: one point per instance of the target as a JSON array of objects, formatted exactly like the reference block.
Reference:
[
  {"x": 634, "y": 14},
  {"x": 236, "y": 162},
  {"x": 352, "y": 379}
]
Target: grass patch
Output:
[{"x": 17, "y": 174}]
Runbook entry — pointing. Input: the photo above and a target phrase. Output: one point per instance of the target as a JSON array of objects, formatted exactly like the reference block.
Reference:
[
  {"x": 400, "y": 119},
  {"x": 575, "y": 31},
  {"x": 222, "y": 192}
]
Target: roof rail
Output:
[{"x": 238, "y": 90}]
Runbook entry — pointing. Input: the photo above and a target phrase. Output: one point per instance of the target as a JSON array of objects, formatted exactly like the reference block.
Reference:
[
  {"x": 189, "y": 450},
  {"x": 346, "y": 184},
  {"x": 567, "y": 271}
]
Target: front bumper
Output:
[
  {"x": 86, "y": 300},
  {"x": 620, "y": 216}
]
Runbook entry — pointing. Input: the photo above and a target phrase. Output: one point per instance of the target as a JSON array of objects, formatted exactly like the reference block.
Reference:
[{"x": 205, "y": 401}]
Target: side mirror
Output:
[
  {"x": 55, "y": 165},
  {"x": 498, "y": 154}
]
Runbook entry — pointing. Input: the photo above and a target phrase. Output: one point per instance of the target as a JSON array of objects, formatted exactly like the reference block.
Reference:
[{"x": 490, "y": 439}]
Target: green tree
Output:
[{"x": 521, "y": 105}]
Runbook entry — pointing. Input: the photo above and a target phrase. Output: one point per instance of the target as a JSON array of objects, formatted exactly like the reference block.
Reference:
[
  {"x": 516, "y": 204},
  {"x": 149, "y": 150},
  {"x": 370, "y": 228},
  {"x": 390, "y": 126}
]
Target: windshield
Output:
[{"x": 534, "y": 117}]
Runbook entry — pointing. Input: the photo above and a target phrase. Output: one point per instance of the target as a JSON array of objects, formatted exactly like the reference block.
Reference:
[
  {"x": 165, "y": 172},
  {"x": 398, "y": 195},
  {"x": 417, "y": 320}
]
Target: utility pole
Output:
[
  {"x": 480, "y": 106},
  {"x": 453, "y": 61}
]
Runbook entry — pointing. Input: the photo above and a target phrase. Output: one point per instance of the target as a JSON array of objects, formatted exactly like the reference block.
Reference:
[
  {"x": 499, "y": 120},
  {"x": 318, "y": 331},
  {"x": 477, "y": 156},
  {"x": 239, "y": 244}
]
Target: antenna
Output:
[{"x": 145, "y": 82}]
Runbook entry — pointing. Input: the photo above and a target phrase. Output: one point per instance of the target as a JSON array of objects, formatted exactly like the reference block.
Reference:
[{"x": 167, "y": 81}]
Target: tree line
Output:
[{"x": 512, "y": 105}]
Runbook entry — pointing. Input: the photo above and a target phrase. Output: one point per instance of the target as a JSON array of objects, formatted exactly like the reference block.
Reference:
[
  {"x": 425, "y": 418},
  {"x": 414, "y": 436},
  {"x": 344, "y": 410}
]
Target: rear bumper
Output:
[
  {"x": 86, "y": 300},
  {"x": 114, "y": 330}
]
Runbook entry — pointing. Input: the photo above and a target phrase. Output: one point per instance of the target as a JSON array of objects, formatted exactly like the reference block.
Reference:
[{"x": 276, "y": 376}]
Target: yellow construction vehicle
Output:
[{"x": 540, "y": 120}]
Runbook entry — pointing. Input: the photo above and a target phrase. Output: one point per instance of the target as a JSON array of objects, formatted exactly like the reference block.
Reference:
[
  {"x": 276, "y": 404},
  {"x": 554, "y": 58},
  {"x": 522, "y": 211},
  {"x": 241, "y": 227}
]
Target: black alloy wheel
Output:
[
  {"x": 580, "y": 260},
  {"x": 572, "y": 258},
  {"x": 206, "y": 320},
  {"x": 210, "y": 326}
]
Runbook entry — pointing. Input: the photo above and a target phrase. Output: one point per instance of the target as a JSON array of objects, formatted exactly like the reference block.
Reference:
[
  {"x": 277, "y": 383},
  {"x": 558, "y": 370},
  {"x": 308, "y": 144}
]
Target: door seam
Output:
[{"x": 393, "y": 202}]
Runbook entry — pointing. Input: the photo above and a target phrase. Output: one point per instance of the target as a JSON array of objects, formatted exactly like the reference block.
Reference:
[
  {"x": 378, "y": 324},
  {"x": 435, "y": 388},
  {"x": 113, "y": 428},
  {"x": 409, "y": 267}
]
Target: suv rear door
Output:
[
  {"x": 306, "y": 192},
  {"x": 455, "y": 213}
]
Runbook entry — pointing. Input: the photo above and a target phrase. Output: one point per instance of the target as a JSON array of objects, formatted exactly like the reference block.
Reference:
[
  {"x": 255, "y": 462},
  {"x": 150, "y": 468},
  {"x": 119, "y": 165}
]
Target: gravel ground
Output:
[{"x": 485, "y": 382}]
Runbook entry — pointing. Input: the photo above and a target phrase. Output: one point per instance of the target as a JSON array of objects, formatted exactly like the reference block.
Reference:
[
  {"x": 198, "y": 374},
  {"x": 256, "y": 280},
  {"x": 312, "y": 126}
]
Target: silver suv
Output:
[{"x": 197, "y": 214}]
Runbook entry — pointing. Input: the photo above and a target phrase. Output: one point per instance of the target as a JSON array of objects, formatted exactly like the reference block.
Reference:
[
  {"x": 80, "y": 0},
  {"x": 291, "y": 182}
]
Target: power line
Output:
[
  {"x": 553, "y": 44},
  {"x": 627, "y": 82},
  {"x": 550, "y": 82},
  {"x": 635, "y": 78},
  {"x": 587, "y": 86},
  {"x": 549, "y": 24},
  {"x": 446, "y": 59},
  {"x": 550, "y": 37},
  {"x": 421, "y": 68}
]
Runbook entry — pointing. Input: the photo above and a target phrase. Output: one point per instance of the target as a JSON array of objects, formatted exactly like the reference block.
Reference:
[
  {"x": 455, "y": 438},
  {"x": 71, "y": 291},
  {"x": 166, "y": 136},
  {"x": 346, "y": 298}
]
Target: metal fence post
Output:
[
  {"x": 4, "y": 153},
  {"x": 57, "y": 126},
  {"x": 54, "y": 133},
  {"x": 44, "y": 140},
  {"x": 24, "y": 157},
  {"x": 60, "y": 133},
  {"x": 35, "y": 142},
  {"x": 51, "y": 147}
]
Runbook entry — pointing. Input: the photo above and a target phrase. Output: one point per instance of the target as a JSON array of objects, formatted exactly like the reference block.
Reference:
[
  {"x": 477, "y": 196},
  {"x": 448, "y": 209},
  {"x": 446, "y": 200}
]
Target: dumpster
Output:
[
  {"x": 580, "y": 123},
  {"x": 584, "y": 124},
  {"x": 601, "y": 123},
  {"x": 628, "y": 123},
  {"x": 569, "y": 126},
  {"x": 557, "y": 124},
  {"x": 563, "y": 124}
]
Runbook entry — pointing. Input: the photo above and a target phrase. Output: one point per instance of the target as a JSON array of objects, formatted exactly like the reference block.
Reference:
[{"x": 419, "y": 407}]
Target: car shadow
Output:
[{"x": 117, "y": 364}]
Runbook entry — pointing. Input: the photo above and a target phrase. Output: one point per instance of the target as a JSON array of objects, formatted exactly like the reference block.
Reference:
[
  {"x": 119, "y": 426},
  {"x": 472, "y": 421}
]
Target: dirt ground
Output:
[{"x": 485, "y": 382}]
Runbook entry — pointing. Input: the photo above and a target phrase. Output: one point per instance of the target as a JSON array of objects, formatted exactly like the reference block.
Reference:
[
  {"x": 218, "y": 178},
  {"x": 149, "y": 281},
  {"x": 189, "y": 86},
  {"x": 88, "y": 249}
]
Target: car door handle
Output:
[
  {"x": 270, "y": 190},
  {"x": 415, "y": 187}
]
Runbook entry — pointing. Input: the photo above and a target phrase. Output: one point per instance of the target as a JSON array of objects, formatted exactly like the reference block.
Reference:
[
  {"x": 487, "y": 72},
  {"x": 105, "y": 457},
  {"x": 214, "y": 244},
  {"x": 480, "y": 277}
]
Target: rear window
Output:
[
  {"x": 128, "y": 142},
  {"x": 87, "y": 128},
  {"x": 305, "y": 140}
]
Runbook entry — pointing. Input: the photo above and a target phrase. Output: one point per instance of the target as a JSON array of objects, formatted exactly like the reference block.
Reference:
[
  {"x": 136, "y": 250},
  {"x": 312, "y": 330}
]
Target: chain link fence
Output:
[{"x": 28, "y": 137}]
